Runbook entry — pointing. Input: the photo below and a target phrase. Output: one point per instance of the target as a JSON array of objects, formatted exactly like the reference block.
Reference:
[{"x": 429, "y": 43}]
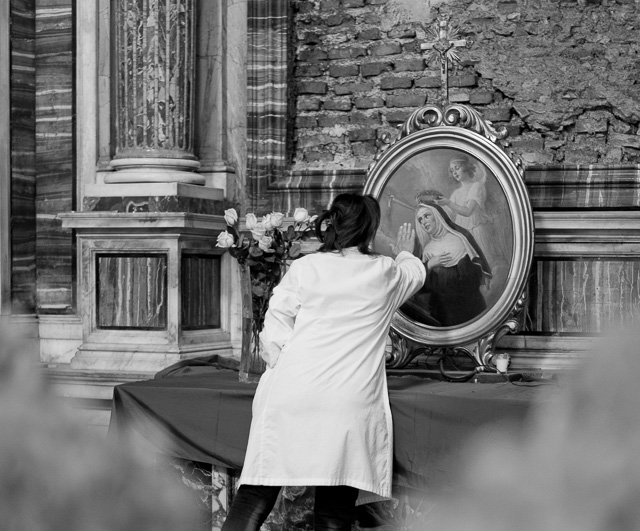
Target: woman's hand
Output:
[
  {"x": 405, "y": 240},
  {"x": 442, "y": 260},
  {"x": 443, "y": 201}
]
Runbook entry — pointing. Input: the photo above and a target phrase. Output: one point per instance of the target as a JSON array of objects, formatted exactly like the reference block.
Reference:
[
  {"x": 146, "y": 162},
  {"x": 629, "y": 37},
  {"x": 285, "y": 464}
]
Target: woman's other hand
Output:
[
  {"x": 405, "y": 240},
  {"x": 442, "y": 260}
]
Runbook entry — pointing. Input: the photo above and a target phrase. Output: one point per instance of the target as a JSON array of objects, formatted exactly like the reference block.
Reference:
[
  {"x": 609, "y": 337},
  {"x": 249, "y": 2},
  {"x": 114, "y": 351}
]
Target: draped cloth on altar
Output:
[{"x": 206, "y": 413}]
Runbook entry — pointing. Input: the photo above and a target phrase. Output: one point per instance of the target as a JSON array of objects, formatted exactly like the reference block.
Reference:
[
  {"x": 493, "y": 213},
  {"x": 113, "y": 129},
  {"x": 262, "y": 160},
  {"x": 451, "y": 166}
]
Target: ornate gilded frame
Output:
[{"x": 435, "y": 132}]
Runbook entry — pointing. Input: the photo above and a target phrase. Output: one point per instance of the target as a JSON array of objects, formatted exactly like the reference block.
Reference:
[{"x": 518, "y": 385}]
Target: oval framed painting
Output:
[{"x": 466, "y": 199}]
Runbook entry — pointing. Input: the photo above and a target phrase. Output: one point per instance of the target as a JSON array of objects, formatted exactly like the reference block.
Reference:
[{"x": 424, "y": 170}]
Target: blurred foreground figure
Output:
[
  {"x": 576, "y": 467},
  {"x": 57, "y": 476}
]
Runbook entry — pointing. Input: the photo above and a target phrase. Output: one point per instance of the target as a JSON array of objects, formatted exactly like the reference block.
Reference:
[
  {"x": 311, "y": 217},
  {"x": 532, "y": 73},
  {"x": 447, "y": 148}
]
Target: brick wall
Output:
[{"x": 562, "y": 76}]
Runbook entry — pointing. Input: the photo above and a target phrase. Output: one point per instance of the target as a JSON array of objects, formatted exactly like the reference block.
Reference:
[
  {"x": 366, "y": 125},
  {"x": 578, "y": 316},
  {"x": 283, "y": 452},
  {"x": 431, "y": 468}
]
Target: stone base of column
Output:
[{"x": 154, "y": 170}]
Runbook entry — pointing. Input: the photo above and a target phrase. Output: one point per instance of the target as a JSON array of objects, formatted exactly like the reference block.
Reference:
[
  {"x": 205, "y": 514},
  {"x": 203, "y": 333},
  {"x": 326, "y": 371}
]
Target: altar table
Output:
[{"x": 206, "y": 413}]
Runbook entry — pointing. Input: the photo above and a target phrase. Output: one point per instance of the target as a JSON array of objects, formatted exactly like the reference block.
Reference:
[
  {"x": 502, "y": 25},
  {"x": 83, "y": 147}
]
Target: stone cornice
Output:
[
  {"x": 597, "y": 233},
  {"x": 141, "y": 222}
]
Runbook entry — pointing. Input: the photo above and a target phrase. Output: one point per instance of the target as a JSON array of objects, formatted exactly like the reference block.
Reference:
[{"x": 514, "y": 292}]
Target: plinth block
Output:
[{"x": 153, "y": 289}]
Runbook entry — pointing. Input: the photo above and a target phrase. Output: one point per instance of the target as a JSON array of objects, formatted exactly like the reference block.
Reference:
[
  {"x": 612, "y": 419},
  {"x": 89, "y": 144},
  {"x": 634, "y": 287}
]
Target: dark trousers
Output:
[{"x": 334, "y": 508}]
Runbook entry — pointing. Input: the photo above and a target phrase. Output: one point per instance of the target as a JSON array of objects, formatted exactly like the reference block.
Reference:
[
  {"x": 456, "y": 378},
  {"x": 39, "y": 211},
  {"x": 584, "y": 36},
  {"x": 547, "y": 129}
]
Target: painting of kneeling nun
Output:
[
  {"x": 456, "y": 271},
  {"x": 464, "y": 233}
]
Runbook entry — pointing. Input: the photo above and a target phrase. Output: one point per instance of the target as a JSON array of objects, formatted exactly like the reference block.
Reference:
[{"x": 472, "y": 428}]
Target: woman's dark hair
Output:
[{"x": 352, "y": 221}]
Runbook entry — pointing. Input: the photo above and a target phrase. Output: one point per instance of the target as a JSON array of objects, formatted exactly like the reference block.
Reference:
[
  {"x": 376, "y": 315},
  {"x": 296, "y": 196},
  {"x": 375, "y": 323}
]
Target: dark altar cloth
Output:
[{"x": 207, "y": 414}]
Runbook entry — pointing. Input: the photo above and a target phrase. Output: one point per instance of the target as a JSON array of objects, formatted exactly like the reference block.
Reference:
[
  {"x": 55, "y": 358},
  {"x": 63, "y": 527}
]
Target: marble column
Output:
[{"x": 154, "y": 107}]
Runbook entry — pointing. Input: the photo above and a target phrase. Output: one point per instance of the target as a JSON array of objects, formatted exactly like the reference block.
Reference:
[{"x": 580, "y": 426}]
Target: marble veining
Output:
[
  {"x": 201, "y": 297},
  {"x": 313, "y": 189},
  {"x": 23, "y": 160},
  {"x": 268, "y": 137},
  {"x": 589, "y": 186},
  {"x": 55, "y": 179},
  {"x": 131, "y": 291},
  {"x": 192, "y": 205},
  {"x": 586, "y": 296}
]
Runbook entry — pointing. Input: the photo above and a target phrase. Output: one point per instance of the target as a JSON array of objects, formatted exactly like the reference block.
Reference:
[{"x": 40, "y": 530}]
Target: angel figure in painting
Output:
[
  {"x": 468, "y": 208},
  {"x": 456, "y": 270}
]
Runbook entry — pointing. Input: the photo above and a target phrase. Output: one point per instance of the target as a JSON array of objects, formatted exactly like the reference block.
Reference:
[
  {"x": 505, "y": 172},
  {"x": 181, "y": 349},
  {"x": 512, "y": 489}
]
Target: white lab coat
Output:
[{"x": 321, "y": 411}]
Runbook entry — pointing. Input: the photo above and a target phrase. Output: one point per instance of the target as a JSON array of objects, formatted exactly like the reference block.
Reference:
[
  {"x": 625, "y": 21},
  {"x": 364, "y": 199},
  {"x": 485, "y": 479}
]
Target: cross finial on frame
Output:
[{"x": 444, "y": 43}]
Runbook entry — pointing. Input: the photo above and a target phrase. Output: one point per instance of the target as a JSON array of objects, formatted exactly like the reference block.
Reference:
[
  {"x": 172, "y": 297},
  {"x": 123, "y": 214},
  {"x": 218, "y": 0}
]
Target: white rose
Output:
[
  {"x": 301, "y": 215},
  {"x": 277, "y": 219},
  {"x": 231, "y": 216},
  {"x": 265, "y": 243},
  {"x": 225, "y": 240},
  {"x": 266, "y": 222},
  {"x": 258, "y": 231},
  {"x": 251, "y": 221}
]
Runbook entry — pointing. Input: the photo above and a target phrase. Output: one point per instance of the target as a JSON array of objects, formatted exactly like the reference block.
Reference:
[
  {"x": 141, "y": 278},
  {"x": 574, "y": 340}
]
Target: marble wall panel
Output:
[
  {"x": 55, "y": 179},
  {"x": 200, "y": 304},
  {"x": 583, "y": 296},
  {"x": 595, "y": 186},
  {"x": 23, "y": 156},
  {"x": 131, "y": 291}
]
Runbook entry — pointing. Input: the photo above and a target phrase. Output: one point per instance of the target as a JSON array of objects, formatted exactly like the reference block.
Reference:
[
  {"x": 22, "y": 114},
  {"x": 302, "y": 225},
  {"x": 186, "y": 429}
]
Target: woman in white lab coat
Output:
[{"x": 321, "y": 413}]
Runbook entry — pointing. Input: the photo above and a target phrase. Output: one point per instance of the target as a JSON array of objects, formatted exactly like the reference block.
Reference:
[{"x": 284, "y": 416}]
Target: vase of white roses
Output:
[{"x": 263, "y": 252}]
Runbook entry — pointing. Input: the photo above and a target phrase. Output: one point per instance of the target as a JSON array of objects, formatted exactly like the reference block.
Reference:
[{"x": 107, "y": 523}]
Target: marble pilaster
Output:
[
  {"x": 54, "y": 134},
  {"x": 90, "y": 116},
  {"x": 22, "y": 194},
  {"x": 236, "y": 89},
  {"x": 5, "y": 157},
  {"x": 213, "y": 68}
]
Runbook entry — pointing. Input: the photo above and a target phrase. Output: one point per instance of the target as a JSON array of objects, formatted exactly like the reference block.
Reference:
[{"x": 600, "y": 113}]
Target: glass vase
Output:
[{"x": 251, "y": 363}]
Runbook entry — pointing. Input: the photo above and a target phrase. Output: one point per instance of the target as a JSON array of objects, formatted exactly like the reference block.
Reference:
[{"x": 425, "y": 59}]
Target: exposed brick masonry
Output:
[{"x": 560, "y": 75}]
